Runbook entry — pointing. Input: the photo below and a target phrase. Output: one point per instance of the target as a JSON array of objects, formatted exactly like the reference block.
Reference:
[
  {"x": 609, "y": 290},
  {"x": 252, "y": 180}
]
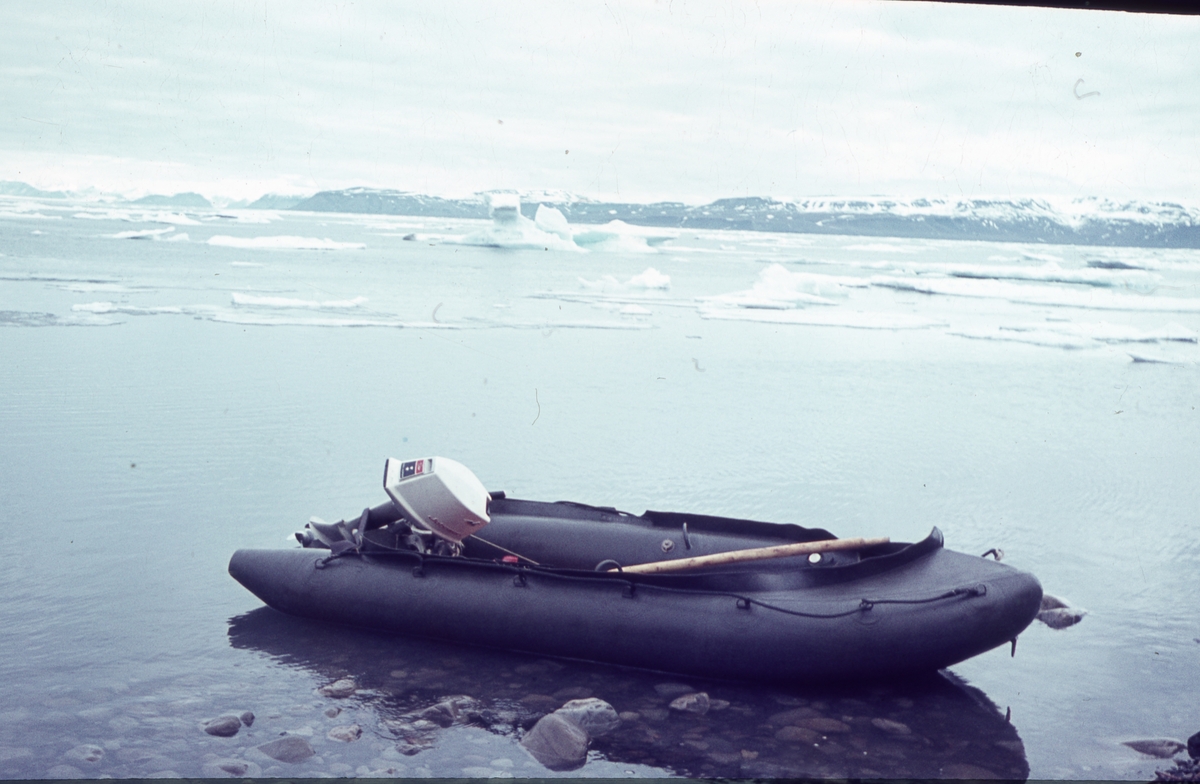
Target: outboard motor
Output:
[{"x": 439, "y": 495}]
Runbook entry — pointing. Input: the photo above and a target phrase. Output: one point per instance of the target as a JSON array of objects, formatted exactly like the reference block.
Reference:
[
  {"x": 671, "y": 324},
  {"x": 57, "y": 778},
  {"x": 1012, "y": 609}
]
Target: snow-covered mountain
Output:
[{"x": 1090, "y": 221}]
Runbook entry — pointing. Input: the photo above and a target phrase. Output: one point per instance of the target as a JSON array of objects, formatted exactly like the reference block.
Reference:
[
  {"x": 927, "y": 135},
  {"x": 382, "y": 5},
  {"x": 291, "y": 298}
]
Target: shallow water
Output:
[{"x": 153, "y": 424}]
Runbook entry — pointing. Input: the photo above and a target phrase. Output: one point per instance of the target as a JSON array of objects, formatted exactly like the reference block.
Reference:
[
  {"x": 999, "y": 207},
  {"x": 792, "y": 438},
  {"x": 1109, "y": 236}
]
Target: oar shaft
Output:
[{"x": 755, "y": 554}]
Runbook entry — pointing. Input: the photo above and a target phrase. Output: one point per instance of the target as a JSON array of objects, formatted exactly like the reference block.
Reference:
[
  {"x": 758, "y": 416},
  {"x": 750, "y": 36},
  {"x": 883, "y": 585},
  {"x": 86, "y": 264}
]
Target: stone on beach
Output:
[
  {"x": 346, "y": 734},
  {"x": 223, "y": 726},
  {"x": 290, "y": 749},
  {"x": 1193, "y": 746},
  {"x": 673, "y": 689},
  {"x": 247, "y": 718},
  {"x": 557, "y": 742}
]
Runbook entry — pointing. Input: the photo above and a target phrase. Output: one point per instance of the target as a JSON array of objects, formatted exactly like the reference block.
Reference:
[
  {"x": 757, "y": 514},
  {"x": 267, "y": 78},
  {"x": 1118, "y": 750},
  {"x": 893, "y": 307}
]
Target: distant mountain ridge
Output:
[
  {"x": 1079, "y": 222},
  {"x": 1083, "y": 221}
]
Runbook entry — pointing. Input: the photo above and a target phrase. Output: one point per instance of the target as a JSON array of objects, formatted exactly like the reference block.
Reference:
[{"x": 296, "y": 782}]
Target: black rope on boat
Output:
[{"x": 864, "y": 605}]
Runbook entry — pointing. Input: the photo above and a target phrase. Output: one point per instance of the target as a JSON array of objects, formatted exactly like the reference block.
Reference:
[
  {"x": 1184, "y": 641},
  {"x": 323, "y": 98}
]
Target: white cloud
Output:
[{"x": 673, "y": 100}]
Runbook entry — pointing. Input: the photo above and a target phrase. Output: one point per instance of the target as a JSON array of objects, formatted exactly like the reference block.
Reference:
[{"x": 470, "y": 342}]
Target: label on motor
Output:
[{"x": 412, "y": 468}]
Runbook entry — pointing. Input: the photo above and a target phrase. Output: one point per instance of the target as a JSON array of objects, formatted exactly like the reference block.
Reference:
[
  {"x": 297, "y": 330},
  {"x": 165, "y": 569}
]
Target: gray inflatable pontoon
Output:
[{"x": 551, "y": 579}]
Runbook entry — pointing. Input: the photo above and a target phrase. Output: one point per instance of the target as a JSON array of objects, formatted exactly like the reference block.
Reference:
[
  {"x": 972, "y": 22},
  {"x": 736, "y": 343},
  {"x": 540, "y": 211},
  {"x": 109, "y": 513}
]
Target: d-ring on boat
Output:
[{"x": 684, "y": 593}]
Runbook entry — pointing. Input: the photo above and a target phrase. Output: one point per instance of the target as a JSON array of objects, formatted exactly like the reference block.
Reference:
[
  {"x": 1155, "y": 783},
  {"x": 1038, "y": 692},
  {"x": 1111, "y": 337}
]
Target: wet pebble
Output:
[
  {"x": 290, "y": 749},
  {"x": 557, "y": 742},
  {"x": 340, "y": 689},
  {"x": 333, "y": 712},
  {"x": 247, "y": 718},
  {"x": 824, "y": 725},
  {"x": 594, "y": 716},
  {"x": 794, "y": 734},
  {"x": 697, "y": 703},
  {"x": 893, "y": 727},
  {"x": 223, "y": 726}
]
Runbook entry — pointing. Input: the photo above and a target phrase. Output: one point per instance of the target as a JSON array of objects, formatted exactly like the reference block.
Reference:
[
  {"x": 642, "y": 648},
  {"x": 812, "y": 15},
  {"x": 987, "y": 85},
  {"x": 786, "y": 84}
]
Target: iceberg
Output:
[{"x": 511, "y": 229}]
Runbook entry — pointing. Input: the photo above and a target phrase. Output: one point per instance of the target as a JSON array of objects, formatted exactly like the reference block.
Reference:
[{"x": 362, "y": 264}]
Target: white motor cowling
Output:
[{"x": 438, "y": 494}]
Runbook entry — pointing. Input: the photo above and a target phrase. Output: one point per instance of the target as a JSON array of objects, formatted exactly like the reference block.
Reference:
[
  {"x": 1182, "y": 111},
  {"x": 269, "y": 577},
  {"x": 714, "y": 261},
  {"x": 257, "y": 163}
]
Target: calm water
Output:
[{"x": 163, "y": 403}]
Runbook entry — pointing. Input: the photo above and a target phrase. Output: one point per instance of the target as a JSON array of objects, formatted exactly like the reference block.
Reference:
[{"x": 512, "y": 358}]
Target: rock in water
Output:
[
  {"x": 346, "y": 734},
  {"x": 1194, "y": 746},
  {"x": 1058, "y": 614},
  {"x": 692, "y": 703},
  {"x": 1163, "y": 748},
  {"x": 340, "y": 688},
  {"x": 557, "y": 742},
  {"x": 247, "y": 718},
  {"x": 223, "y": 726},
  {"x": 593, "y": 715},
  {"x": 290, "y": 749}
]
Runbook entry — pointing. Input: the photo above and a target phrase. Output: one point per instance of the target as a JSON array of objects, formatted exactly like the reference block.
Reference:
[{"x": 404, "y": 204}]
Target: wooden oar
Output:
[{"x": 755, "y": 554}]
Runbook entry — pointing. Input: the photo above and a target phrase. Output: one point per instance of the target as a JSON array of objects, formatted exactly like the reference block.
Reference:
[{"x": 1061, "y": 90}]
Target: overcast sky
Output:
[{"x": 621, "y": 100}]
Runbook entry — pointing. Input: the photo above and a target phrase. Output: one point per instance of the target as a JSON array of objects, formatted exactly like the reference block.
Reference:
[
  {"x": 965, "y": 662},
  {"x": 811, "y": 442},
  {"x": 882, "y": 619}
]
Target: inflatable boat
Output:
[{"x": 685, "y": 593}]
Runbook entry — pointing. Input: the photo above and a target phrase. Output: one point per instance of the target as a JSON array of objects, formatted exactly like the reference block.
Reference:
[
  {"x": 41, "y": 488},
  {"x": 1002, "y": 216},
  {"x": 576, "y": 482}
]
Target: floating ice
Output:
[
  {"x": 306, "y": 304},
  {"x": 142, "y": 234},
  {"x": 511, "y": 229},
  {"x": 283, "y": 242},
  {"x": 650, "y": 279},
  {"x": 131, "y": 310},
  {"x": 1051, "y": 272},
  {"x": 1076, "y": 336},
  {"x": 882, "y": 247},
  {"x": 855, "y": 319},
  {"x": 549, "y": 230},
  {"x": 1030, "y": 294},
  {"x": 175, "y": 218},
  {"x": 551, "y": 221},
  {"x": 779, "y": 289},
  {"x": 619, "y": 237}
]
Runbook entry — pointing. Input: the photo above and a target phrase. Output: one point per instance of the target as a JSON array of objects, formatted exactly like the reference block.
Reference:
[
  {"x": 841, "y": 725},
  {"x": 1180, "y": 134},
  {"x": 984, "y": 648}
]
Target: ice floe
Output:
[
  {"x": 142, "y": 234},
  {"x": 839, "y": 317},
  {"x": 511, "y": 229},
  {"x": 1033, "y": 294},
  {"x": 649, "y": 278},
  {"x": 282, "y": 242},
  {"x": 1051, "y": 272},
  {"x": 777, "y": 288},
  {"x": 1078, "y": 336},
  {"x": 305, "y": 304}
]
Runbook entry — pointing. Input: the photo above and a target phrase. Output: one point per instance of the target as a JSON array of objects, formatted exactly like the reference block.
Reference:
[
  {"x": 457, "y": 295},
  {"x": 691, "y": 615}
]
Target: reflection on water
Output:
[{"x": 931, "y": 727}]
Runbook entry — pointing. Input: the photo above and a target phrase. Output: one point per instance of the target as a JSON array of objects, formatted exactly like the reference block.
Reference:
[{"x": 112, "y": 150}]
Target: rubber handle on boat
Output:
[{"x": 755, "y": 554}]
